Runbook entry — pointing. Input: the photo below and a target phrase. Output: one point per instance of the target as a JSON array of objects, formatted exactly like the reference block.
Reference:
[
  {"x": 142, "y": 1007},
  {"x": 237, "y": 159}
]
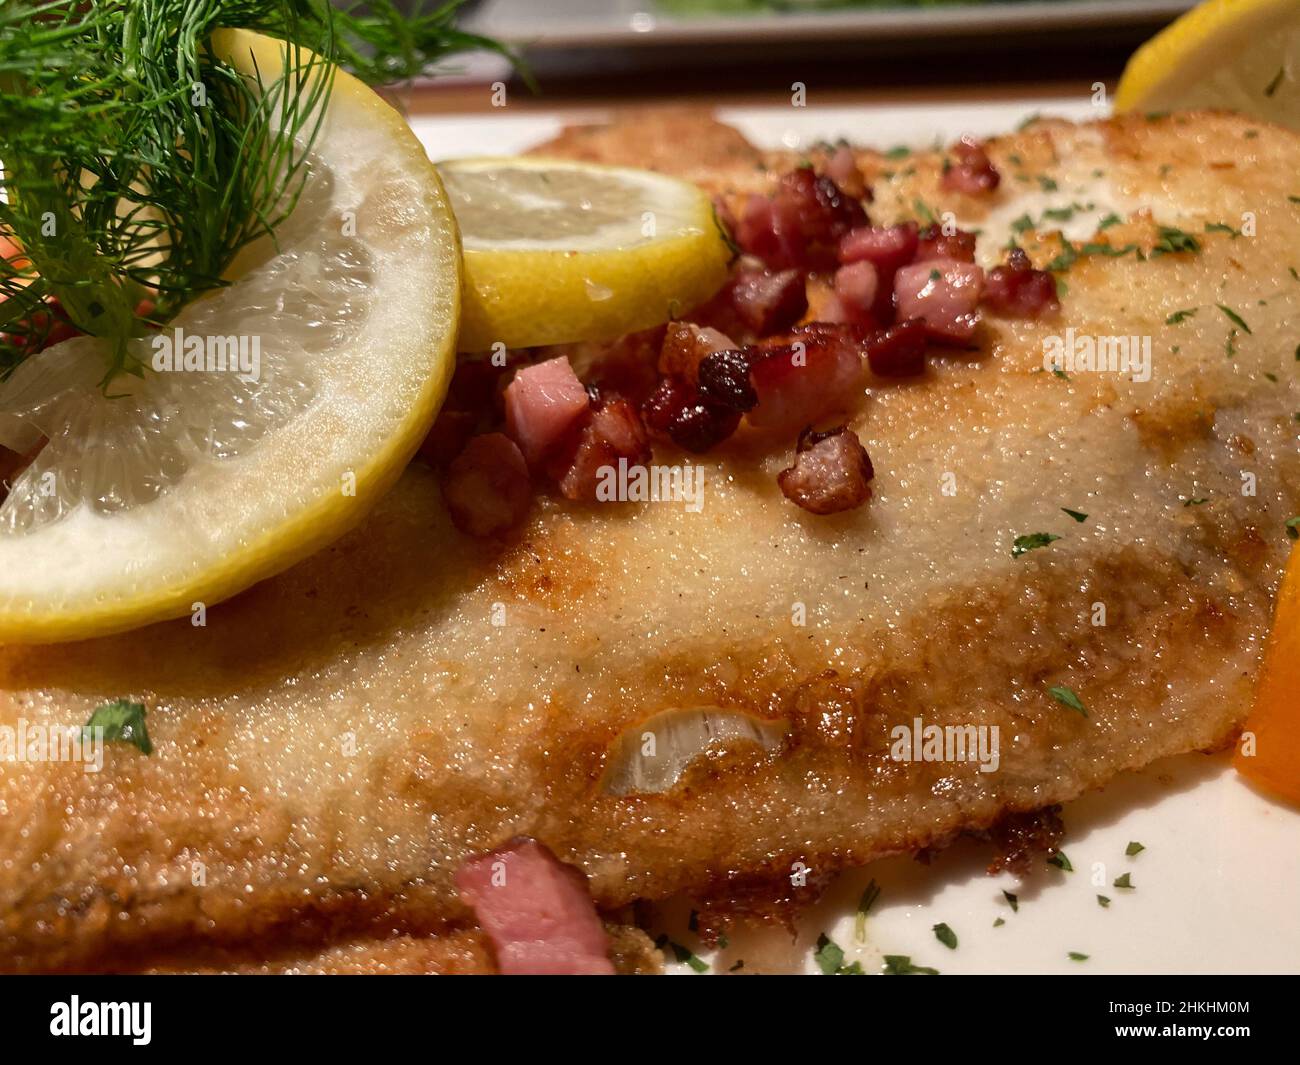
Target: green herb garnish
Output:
[
  {"x": 945, "y": 935},
  {"x": 830, "y": 959},
  {"x": 901, "y": 965},
  {"x": 1124, "y": 881},
  {"x": 1173, "y": 240},
  {"x": 1234, "y": 317},
  {"x": 1134, "y": 848},
  {"x": 683, "y": 955},
  {"x": 1030, "y": 542},
  {"x": 138, "y": 163},
  {"x": 1061, "y": 862},
  {"x": 868, "y": 899},
  {"x": 1066, "y": 697},
  {"x": 1065, "y": 258},
  {"x": 1078, "y": 516},
  {"x": 122, "y": 721},
  {"x": 1012, "y": 900}
]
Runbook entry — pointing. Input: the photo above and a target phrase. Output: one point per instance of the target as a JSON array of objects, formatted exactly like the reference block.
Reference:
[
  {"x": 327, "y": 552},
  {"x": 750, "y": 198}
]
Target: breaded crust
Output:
[{"x": 337, "y": 740}]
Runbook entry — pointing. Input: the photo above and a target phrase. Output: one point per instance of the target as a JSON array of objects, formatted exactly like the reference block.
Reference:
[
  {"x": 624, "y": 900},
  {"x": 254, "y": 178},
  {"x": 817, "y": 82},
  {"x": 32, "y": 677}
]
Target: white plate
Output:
[
  {"x": 1216, "y": 886},
  {"x": 581, "y": 23}
]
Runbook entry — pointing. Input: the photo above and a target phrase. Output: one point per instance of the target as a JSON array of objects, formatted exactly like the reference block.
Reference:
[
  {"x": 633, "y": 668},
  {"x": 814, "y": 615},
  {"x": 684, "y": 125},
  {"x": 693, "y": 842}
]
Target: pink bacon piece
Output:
[
  {"x": 810, "y": 372},
  {"x": 1017, "y": 290},
  {"x": 543, "y": 404},
  {"x": 944, "y": 294},
  {"x": 973, "y": 173},
  {"x": 536, "y": 911},
  {"x": 487, "y": 487},
  {"x": 831, "y": 472}
]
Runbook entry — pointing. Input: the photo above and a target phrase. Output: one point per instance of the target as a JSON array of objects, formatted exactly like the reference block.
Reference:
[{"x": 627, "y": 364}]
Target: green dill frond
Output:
[{"x": 136, "y": 165}]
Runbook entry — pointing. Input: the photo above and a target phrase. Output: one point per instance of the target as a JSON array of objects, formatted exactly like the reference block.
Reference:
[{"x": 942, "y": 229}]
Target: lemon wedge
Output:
[
  {"x": 559, "y": 251},
  {"x": 1243, "y": 55},
  {"x": 181, "y": 487}
]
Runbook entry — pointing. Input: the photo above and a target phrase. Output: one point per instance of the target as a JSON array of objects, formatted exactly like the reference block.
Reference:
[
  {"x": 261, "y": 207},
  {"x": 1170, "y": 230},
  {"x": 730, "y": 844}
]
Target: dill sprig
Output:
[{"x": 136, "y": 164}]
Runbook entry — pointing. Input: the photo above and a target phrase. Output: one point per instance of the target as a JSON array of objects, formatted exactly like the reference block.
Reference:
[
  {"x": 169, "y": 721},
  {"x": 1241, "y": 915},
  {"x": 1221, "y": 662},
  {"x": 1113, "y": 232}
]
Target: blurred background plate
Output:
[
  {"x": 649, "y": 23},
  {"x": 628, "y": 48}
]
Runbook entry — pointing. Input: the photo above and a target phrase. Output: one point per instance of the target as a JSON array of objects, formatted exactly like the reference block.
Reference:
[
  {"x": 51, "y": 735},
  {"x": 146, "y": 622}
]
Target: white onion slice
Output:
[{"x": 651, "y": 756}]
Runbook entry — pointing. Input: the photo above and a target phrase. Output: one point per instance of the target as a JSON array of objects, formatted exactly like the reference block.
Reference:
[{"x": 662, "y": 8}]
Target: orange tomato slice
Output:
[{"x": 1275, "y": 717}]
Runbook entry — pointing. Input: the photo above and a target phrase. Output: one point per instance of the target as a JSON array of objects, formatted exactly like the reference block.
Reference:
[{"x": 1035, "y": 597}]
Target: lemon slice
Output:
[
  {"x": 1243, "y": 55},
  {"x": 559, "y": 251},
  {"x": 185, "y": 486}
]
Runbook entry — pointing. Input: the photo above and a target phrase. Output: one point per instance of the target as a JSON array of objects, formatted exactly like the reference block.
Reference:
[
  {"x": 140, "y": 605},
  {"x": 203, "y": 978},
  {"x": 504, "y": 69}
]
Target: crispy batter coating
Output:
[{"x": 338, "y": 739}]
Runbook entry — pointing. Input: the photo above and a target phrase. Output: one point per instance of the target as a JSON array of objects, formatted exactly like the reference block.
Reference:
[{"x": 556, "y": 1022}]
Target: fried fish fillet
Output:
[{"x": 336, "y": 741}]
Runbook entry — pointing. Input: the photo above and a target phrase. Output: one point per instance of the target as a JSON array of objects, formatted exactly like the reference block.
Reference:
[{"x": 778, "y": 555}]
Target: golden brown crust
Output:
[{"x": 337, "y": 740}]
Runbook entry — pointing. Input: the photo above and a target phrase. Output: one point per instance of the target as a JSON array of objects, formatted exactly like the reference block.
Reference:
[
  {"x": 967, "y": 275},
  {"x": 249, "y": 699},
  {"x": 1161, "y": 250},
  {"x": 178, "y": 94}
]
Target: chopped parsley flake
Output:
[
  {"x": 1076, "y": 956},
  {"x": 1180, "y": 316},
  {"x": 1220, "y": 227},
  {"x": 901, "y": 965},
  {"x": 1066, "y": 258},
  {"x": 1173, "y": 240},
  {"x": 830, "y": 959},
  {"x": 122, "y": 721},
  {"x": 1061, "y": 862},
  {"x": 1110, "y": 250},
  {"x": 682, "y": 955},
  {"x": 1030, "y": 542},
  {"x": 1013, "y": 901},
  {"x": 1047, "y": 184},
  {"x": 1293, "y": 528},
  {"x": 1066, "y": 697},
  {"x": 999, "y": 923},
  {"x": 1134, "y": 848},
  {"x": 1111, "y": 219},
  {"x": 869, "y": 895},
  {"x": 1103, "y": 901},
  {"x": 1124, "y": 881},
  {"x": 945, "y": 935},
  {"x": 1077, "y": 515},
  {"x": 1233, "y": 317},
  {"x": 923, "y": 212}
]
